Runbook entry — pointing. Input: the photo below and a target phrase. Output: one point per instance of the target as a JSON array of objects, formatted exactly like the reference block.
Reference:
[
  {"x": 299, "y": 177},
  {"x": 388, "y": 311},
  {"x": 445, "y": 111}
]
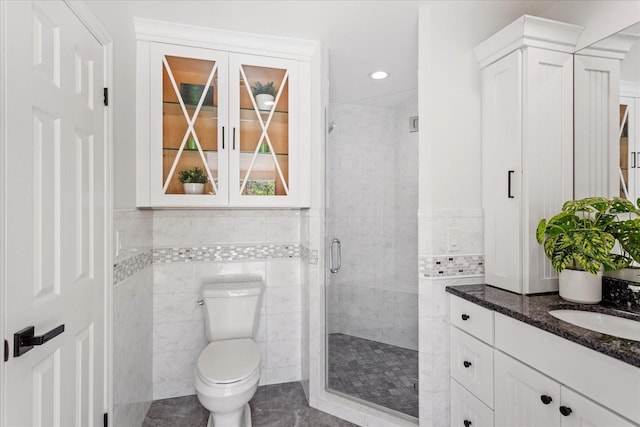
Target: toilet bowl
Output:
[
  {"x": 228, "y": 369},
  {"x": 227, "y": 375}
]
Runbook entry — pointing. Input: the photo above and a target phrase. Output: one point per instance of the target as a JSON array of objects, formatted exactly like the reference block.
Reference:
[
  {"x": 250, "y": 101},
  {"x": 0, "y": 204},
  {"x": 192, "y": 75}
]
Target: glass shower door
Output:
[{"x": 371, "y": 241}]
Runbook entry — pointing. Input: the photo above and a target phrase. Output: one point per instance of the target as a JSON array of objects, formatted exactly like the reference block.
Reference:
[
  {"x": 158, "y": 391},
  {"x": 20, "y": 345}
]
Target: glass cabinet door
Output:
[
  {"x": 629, "y": 150},
  {"x": 194, "y": 105},
  {"x": 262, "y": 117}
]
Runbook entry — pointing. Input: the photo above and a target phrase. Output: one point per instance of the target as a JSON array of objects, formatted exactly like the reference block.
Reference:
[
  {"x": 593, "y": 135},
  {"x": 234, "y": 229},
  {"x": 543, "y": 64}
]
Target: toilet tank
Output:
[{"x": 232, "y": 306}]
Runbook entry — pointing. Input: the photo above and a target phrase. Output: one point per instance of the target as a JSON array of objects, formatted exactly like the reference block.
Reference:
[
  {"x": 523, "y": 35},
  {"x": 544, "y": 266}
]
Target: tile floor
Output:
[
  {"x": 379, "y": 373},
  {"x": 278, "y": 405}
]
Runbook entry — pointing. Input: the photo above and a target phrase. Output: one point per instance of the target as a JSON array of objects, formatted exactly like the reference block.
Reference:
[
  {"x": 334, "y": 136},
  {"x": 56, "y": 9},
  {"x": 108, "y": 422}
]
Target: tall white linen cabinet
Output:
[{"x": 527, "y": 151}]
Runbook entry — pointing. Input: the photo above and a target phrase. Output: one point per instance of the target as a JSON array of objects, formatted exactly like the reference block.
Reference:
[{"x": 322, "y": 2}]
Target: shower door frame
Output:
[{"x": 320, "y": 396}]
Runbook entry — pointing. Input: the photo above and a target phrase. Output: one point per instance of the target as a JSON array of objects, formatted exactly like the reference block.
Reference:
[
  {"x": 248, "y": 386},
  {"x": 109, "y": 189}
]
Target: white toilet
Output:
[{"x": 228, "y": 369}]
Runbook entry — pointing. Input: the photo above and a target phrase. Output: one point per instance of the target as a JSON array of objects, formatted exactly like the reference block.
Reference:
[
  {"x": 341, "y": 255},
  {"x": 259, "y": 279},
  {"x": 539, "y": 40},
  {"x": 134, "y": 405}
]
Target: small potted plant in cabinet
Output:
[
  {"x": 193, "y": 180},
  {"x": 587, "y": 237},
  {"x": 264, "y": 95}
]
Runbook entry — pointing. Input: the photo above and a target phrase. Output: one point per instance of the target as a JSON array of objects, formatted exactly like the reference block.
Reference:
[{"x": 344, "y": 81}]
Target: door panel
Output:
[{"x": 56, "y": 199}]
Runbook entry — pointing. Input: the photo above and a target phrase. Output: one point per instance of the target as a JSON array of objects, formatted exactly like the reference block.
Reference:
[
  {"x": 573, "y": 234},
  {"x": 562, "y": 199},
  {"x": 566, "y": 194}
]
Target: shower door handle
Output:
[{"x": 334, "y": 268}]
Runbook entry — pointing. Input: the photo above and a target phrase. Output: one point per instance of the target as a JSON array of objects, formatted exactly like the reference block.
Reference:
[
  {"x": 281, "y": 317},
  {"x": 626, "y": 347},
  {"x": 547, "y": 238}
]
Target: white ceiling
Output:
[{"x": 362, "y": 36}]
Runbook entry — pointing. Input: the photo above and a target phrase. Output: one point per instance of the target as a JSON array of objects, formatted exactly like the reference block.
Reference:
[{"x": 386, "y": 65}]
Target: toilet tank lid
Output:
[{"x": 236, "y": 285}]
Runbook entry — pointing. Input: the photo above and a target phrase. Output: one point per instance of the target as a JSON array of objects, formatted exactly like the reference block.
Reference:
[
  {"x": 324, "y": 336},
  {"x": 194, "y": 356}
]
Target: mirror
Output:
[{"x": 607, "y": 117}]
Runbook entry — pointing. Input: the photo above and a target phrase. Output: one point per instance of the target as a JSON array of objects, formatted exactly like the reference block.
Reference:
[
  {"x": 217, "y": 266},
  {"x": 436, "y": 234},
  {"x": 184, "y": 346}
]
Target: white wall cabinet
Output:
[
  {"x": 599, "y": 158},
  {"x": 630, "y": 146},
  {"x": 528, "y": 388},
  {"x": 527, "y": 153},
  {"x": 197, "y": 108}
]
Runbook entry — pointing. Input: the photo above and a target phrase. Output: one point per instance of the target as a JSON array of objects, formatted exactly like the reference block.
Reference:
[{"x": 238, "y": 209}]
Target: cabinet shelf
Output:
[
  {"x": 244, "y": 153},
  {"x": 208, "y": 112}
]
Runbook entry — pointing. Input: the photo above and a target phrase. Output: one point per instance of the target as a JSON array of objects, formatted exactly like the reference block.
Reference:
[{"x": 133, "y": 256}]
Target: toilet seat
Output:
[{"x": 228, "y": 361}]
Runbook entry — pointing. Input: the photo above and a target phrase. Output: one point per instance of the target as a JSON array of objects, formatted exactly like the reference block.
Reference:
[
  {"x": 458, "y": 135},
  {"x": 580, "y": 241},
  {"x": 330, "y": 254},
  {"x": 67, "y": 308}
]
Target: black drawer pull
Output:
[
  {"x": 565, "y": 410},
  {"x": 546, "y": 399},
  {"x": 465, "y": 317},
  {"x": 466, "y": 363}
]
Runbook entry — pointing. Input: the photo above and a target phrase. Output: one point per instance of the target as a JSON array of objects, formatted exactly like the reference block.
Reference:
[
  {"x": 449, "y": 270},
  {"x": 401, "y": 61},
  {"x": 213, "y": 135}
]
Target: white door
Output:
[{"x": 55, "y": 222}]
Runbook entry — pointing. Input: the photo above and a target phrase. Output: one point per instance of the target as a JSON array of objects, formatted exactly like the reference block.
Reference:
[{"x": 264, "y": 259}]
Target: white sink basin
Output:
[{"x": 604, "y": 323}]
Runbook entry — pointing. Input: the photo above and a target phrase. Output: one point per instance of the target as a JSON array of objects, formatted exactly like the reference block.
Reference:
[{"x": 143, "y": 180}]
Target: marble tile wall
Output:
[
  {"x": 434, "y": 302},
  {"x": 178, "y": 323},
  {"x": 132, "y": 318},
  {"x": 373, "y": 201}
]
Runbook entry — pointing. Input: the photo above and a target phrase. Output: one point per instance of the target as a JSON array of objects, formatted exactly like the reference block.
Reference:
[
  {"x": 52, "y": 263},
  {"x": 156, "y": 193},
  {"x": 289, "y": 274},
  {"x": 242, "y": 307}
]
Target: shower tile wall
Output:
[
  {"x": 372, "y": 177},
  {"x": 132, "y": 318},
  {"x": 178, "y": 324}
]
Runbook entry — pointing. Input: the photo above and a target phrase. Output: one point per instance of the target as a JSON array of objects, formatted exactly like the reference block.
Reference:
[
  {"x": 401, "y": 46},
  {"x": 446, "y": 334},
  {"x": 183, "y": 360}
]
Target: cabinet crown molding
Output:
[
  {"x": 212, "y": 38},
  {"x": 528, "y": 31},
  {"x": 615, "y": 46}
]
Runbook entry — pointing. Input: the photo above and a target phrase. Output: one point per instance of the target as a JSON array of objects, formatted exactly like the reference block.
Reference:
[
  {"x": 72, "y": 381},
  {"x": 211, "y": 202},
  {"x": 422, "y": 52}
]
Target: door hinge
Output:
[
  {"x": 106, "y": 96},
  {"x": 105, "y": 420},
  {"x": 6, "y": 350}
]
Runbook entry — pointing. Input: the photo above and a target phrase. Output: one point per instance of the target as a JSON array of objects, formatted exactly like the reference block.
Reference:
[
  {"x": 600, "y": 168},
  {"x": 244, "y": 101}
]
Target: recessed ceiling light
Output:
[{"x": 378, "y": 75}]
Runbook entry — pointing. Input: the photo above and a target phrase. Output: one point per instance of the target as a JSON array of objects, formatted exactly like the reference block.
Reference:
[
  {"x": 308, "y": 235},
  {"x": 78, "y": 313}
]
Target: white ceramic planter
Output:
[
  {"x": 193, "y": 188},
  {"x": 264, "y": 101},
  {"x": 580, "y": 286}
]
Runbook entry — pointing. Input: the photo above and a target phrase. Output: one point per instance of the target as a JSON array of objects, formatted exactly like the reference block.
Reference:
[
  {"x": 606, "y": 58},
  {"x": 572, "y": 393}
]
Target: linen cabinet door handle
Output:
[
  {"x": 234, "y": 138},
  {"x": 509, "y": 175},
  {"x": 223, "y": 137},
  {"x": 633, "y": 157}
]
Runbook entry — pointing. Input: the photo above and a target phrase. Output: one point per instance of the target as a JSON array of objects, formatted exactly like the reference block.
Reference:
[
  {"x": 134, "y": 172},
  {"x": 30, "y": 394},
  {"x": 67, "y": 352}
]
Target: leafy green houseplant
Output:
[
  {"x": 264, "y": 95},
  {"x": 585, "y": 232},
  {"x": 193, "y": 180},
  {"x": 195, "y": 175},
  {"x": 260, "y": 89}
]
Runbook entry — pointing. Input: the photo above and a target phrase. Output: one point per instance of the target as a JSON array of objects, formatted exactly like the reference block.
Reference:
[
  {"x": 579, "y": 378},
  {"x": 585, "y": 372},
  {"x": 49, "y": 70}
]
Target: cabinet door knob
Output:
[
  {"x": 467, "y": 423},
  {"x": 546, "y": 399},
  {"x": 466, "y": 363},
  {"x": 465, "y": 317},
  {"x": 565, "y": 410}
]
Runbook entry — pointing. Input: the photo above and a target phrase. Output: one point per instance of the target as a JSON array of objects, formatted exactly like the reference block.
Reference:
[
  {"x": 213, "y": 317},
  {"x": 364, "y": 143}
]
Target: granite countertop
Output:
[{"x": 533, "y": 309}]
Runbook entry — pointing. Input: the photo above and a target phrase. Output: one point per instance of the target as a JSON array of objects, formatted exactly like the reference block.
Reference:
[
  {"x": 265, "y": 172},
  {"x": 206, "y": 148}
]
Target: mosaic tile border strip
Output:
[
  {"x": 225, "y": 253},
  {"x": 451, "y": 265},
  {"x": 126, "y": 268}
]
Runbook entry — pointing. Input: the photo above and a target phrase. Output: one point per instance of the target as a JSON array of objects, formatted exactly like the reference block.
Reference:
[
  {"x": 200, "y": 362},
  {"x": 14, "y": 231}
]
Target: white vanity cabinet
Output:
[
  {"x": 526, "y": 398},
  {"x": 197, "y": 107},
  {"x": 527, "y": 151},
  {"x": 472, "y": 373},
  {"x": 538, "y": 379}
]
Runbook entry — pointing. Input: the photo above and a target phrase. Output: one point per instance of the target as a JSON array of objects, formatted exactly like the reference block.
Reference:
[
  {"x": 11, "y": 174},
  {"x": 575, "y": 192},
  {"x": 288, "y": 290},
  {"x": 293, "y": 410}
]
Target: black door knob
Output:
[
  {"x": 565, "y": 410},
  {"x": 465, "y": 317},
  {"x": 466, "y": 363},
  {"x": 467, "y": 423},
  {"x": 546, "y": 399}
]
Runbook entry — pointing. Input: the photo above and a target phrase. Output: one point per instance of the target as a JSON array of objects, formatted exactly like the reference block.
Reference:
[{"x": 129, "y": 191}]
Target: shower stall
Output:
[{"x": 372, "y": 252}]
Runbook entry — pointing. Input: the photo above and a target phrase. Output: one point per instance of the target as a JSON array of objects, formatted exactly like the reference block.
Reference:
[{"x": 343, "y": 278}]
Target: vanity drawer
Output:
[
  {"x": 466, "y": 409},
  {"x": 471, "y": 318},
  {"x": 472, "y": 365}
]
